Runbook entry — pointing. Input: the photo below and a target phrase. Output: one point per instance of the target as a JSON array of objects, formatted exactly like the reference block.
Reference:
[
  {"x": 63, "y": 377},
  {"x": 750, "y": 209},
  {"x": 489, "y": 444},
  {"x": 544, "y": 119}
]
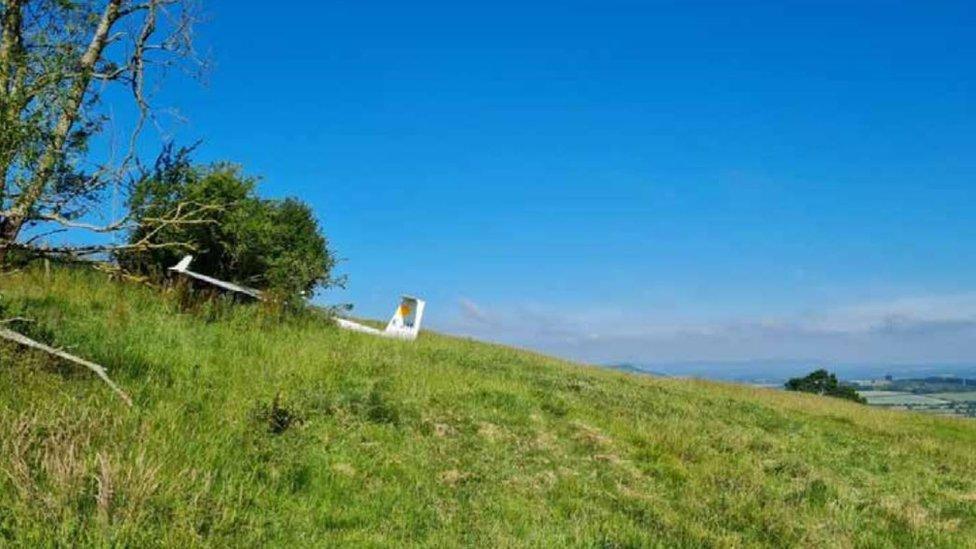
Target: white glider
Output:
[
  {"x": 183, "y": 268},
  {"x": 405, "y": 323}
]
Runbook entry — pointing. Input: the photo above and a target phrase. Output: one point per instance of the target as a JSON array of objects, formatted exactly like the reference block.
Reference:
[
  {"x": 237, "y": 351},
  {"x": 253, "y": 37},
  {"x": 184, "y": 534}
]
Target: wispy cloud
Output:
[
  {"x": 473, "y": 312},
  {"x": 909, "y": 313},
  {"x": 921, "y": 328}
]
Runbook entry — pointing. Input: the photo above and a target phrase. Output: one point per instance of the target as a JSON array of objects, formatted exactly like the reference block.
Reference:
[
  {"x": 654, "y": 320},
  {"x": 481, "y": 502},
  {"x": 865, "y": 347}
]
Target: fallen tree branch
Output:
[
  {"x": 15, "y": 319},
  {"x": 98, "y": 370}
]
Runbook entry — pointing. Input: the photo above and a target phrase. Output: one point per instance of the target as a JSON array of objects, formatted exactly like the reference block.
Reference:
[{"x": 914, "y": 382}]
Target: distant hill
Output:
[
  {"x": 778, "y": 371},
  {"x": 251, "y": 429},
  {"x": 633, "y": 369}
]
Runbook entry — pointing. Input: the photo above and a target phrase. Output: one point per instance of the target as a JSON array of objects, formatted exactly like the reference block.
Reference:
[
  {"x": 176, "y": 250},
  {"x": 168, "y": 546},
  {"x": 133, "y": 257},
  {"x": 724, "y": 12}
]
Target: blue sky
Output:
[{"x": 622, "y": 181}]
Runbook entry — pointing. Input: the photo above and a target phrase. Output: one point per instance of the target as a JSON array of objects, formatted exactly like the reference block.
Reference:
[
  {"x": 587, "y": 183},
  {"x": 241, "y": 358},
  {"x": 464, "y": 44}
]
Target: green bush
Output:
[
  {"x": 822, "y": 382},
  {"x": 272, "y": 245}
]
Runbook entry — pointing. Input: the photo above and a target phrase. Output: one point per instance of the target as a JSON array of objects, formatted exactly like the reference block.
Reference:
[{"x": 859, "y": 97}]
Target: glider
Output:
[
  {"x": 183, "y": 267},
  {"x": 405, "y": 323}
]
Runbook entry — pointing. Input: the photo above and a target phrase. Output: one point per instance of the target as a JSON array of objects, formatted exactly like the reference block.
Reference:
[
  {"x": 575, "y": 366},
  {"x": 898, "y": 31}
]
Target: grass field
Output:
[
  {"x": 956, "y": 397},
  {"x": 251, "y": 430},
  {"x": 901, "y": 399},
  {"x": 962, "y": 404}
]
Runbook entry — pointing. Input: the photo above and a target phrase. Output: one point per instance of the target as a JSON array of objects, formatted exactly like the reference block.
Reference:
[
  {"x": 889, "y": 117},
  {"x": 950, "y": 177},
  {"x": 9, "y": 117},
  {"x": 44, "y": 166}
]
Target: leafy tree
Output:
[
  {"x": 273, "y": 245},
  {"x": 822, "y": 382},
  {"x": 62, "y": 66}
]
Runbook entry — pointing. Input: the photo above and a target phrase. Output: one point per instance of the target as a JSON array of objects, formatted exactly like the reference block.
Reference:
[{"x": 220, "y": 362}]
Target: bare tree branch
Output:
[
  {"x": 184, "y": 213},
  {"x": 138, "y": 65},
  {"x": 110, "y": 228}
]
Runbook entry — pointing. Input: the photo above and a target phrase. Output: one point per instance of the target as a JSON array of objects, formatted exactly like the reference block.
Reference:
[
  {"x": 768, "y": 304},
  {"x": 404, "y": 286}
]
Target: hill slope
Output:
[{"x": 440, "y": 442}]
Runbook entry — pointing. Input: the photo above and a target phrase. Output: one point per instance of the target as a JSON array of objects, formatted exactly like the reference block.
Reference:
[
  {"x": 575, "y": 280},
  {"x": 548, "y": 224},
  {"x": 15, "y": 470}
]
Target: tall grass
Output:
[{"x": 251, "y": 428}]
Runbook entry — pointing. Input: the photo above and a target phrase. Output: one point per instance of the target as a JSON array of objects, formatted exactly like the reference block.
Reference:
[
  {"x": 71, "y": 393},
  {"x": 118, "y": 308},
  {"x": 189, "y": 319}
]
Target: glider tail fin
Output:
[
  {"x": 183, "y": 265},
  {"x": 406, "y": 319}
]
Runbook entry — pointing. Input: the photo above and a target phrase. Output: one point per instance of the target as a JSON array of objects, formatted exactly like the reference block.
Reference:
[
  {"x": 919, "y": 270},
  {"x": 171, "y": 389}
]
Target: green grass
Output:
[{"x": 441, "y": 442}]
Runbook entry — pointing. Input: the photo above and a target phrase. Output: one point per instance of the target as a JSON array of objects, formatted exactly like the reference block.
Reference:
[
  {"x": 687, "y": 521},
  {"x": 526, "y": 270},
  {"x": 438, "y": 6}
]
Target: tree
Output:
[
  {"x": 274, "y": 245},
  {"x": 59, "y": 59},
  {"x": 822, "y": 382}
]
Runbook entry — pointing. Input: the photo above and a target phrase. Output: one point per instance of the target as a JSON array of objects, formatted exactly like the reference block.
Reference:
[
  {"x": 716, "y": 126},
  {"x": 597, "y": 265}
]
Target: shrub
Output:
[
  {"x": 277, "y": 415},
  {"x": 271, "y": 245}
]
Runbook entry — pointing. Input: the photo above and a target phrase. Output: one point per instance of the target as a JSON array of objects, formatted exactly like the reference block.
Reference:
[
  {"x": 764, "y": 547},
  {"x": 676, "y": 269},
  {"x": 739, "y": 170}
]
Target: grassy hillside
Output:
[{"x": 441, "y": 442}]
